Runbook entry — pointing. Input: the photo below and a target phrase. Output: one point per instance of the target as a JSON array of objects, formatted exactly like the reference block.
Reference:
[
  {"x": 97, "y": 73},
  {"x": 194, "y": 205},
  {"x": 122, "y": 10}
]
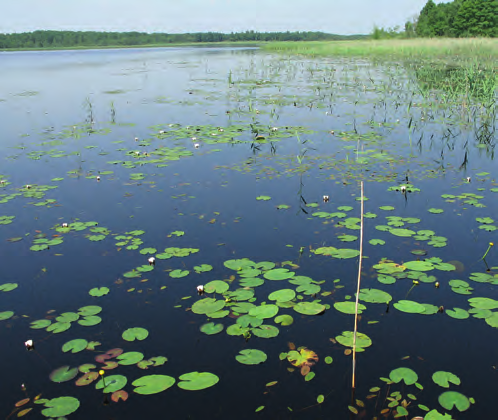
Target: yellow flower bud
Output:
[{"x": 101, "y": 372}]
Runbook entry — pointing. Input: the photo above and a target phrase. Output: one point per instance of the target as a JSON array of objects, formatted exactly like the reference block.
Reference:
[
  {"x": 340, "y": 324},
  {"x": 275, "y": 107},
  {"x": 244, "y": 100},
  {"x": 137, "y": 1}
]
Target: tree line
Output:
[
  {"x": 456, "y": 19},
  {"x": 61, "y": 39}
]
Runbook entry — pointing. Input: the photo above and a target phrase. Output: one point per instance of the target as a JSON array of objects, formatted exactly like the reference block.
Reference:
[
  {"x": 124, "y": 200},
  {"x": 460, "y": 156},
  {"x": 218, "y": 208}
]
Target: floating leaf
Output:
[
  {"x": 89, "y": 321},
  {"x": 63, "y": 374},
  {"x": 177, "y": 274},
  {"x": 409, "y": 306},
  {"x": 117, "y": 395},
  {"x": 75, "y": 346},
  {"x": 349, "y": 307},
  {"x": 264, "y": 311},
  {"x": 444, "y": 378},
  {"x": 265, "y": 331},
  {"x": 60, "y": 407},
  {"x": 450, "y": 399},
  {"x": 403, "y": 374},
  {"x": 96, "y": 291},
  {"x": 137, "y": 333},
  {"x": 195, "y": 381},
  {"x": 87, "y": 378},
  {"x": 374, "y": 296},
  {"x": 251, "y": 357},
  {"x": 211, "y": 328},
  {"x": 130, "y": 358},
  {"x": 278, "y": 274},
  {"x": 458, "y": 313},
  {"x": 216, "y": 286},
  {"x": 152, "y": 384},
  {"x": 309, "y": 308},
  {"x": 282, "y": 295},
  {"x": 362, "y": 340},
  {"x": 207, "y": 306},
  {"x": 8, "y": 287},
  {"x": 113, "y": 383},
  {"x": 284, "y": 320}
]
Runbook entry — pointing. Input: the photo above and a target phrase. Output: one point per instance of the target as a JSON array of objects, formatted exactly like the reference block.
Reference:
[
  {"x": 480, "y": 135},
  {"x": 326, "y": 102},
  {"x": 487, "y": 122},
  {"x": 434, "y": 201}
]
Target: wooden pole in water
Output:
[{"x": 358, "y": 290}]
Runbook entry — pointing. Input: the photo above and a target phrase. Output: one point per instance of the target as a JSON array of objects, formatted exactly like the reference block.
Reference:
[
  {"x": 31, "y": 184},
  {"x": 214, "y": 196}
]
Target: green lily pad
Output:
[
  {"x": 60, "y": 407},
  {"x": 406, "y": 233},
  {"x": 345, "y": 253},
  {"x": 203, "y": 268},
  {"x": 263, "y": 198},
  {"x": 284, "y": 320},
  {"x": 113, "y": 383},
  {"x": 211, "y": 328},
  {"x": 483, "y": 303},
  {"x": 403, "y": 374},
  {"x": 251, "y": 357},
  {"x": 349, "y": 307},
  {"x": 264, "y": 311},
  {"x": 251, "y": 282},
  {"x": 7, "y": 287},
  {"x": 278, "y": 274},
  {"x": 418, "y": 265},
  {"x": 309, "y": 308},
  {"x": 492, "y": 320},
  {"x": 216, "y": 286},
  {"x": 207, "y": 306},
  {"x": 130, "y": 358},
  {"x": 177, "y": 274},
  {"x": 265, "y": 331},
  {"x": 40, "y": 323},
  {"x": 59, "y": 327},
  {"x": 375, "y": 296},
  {"x": 63, "y": 374},
  {"x": 152, "y": 384},
  {"x": 283, "y": 295},
  {"x": 195, "y": 381},
  {"x": 238, "y": 264},
  {"x": 436, "y": 211},
  {"x": 458, "y": 313},
  {"x": 450, "y": 399},
  {"x": 386, "y": 208},
  {"x": 89, "y": 310},
  {"x": 67, "y": 317},
  {"x": 362, "y": 340},
  {"x": 99, "y": 291},
  {"x": 376, "y": 242},
  {"x": 6, "y": 315},
  {"x": 137, "y": 333},
  {"x": 444, "y": 378},
  {"x": 409, "y": 306},
  {"x": 89, "y": 321},
  {"x": 75, "y": 346}
]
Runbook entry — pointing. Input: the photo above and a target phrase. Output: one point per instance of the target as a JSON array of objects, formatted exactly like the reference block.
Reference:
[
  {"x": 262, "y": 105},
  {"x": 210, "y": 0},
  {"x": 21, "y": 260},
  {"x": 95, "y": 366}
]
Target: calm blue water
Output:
[{"x": 75, "y": 114}]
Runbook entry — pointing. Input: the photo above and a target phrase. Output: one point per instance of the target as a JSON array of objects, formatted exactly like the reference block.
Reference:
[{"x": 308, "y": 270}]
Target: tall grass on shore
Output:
[{"x": 483, "y": 48}]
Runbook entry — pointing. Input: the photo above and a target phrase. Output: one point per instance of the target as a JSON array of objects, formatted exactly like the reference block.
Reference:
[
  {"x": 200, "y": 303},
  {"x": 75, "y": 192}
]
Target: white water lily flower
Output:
[
  {"x": 197, "y": 145},
  {"x": 403, "y": 188},
  {"x": 136, "y": 138},
  {"x": 326, "y": 198},
  {"x": 468, "y": 179},
  {"x": 152, "y": 261},
  {"x": 200, "y": 289},
  {"x": 64, "y": 225},
  {"x": 28, "y": 186},
  {"x": 98, "y": 178},
  {"x": 161, "y": 132},
  {"x": 29, "y": 345}
]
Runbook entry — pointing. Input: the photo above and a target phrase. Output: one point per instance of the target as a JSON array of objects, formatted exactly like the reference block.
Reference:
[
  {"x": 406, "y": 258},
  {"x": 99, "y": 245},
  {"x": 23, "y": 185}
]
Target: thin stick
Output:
[{"x": 358, "y": 290}]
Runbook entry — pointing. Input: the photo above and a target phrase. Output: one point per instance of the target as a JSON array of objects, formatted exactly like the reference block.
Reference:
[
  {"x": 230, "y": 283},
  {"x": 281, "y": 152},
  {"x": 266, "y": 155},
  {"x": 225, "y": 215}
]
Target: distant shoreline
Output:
[{"x": 115, "y": 47}]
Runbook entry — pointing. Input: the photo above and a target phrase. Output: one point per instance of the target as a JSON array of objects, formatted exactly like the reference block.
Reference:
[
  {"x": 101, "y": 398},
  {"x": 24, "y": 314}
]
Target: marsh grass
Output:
[{"x": 483, "y": 48}]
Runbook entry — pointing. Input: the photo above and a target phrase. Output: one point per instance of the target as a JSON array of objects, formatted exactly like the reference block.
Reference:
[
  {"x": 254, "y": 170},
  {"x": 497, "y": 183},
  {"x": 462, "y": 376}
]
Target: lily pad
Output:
[
  {"x": 362, "y": 340},
  {"x": 7, "y": 287},
  {"x": 450, "y": 399},
  {"x": 284, "y": 320},
  {"x": 113, "y": 383},
  {"x": 195, "y": 381},
  {"x": 177, "y": 274},
  {"x": 309, "y": 308},
  {"x": 75, "y": 346},
  {"x": 375, "y": 296},
  {"x": 251, "y": 357},
  {"x": 443, "y": 378},
  {"x": 265, "y": 331},
  {"x": 409, "y": 306},
  {"x": 278, "y": 274},
  {"x": 216, "y": 286},
  {"x": 63, "y": 374},
  {"x": 152, "y": 384},
  {"x": 403, "y": 374},
  {"x": 130, "y": 358},
  {"x": 207, "y": 306},
  {"x": 99, "y": 291},
  {"x": 349, "y": 307},
  {"x": 137, "y": 333},
  {"x": 264, "y": 311},
  {"x": 283, "y": 295},
  {"x": 60, "y": 407},
  {"x": 6, "y": 315},
  {"x": 211, "y": 328}
]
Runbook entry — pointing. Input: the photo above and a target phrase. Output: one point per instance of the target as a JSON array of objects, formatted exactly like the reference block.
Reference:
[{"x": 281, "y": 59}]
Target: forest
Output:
[
  {"x": 61, "y": 39},
  {"x": 455, "y": 19}
]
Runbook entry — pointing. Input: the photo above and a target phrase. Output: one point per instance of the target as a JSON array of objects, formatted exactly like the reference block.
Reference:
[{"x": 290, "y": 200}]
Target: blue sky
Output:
[{"x": 174, "y": 16}]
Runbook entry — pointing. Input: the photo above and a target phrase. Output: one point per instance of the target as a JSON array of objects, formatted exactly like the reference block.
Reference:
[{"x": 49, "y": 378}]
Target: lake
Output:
[{"x": 131, "y": 177}]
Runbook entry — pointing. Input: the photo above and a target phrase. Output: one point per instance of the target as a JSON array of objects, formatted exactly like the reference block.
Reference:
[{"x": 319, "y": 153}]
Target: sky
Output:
[{"x": 178, "y": 16}]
